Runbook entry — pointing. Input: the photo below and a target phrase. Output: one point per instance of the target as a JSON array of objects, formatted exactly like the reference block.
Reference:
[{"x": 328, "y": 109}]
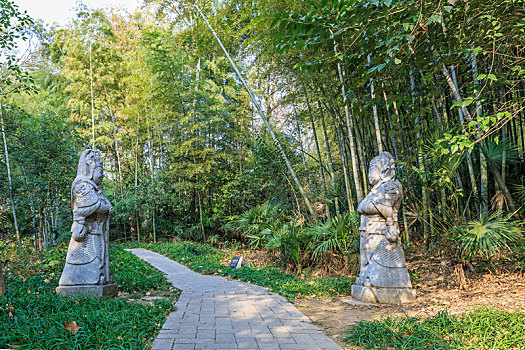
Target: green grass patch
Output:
[
  {"x": 204, "y": 259},
  {"x": 32, "y": 316},
  {"x": 135, "y": 275},
  {"x": 483, "y": 328}
]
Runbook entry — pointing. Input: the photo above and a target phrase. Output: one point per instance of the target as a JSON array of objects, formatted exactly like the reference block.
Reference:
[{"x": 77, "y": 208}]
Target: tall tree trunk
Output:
[
  {"x": 2, "y": 282},
  {"x": 118, "y": 158},
  {"x": 374, "y": 111},
  {"x": 390, "y": 124},
  {"x": 92, "y": 99},
  {"x": 196, "y": 90},
  {"x": 363, "y": 164},
  {"x": 421, "y": 164},
  {"x": 396, "y": 155},
  {"x": 314, "y": 132},
  {"x": 10, "y": 182},
  {"x": 469, "y": 158},
  {"x": 350, "y": 136},
  {"x": 152, "y": 176},
  {"x": 399, "y": 126},
  {"x": 263, "y": 117},
  {"x": 482, "y": 161},
  {"x": 329, "y": 155},
  {"x": 502, "y": 185},
  {"x": 137, "y": 213},
  {"x": 40, "y": 243},
  {"x": 504, "y": 155},
  {"x": 303, "y": 156},
  {"x": 340, "y": 139},
  {"x": 201, "y": 219},
  {"x": 455, "y": 92}
]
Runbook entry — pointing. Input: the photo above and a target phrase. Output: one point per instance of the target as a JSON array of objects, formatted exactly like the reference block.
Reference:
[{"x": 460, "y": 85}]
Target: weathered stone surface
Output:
[
  {"x": 383, "y": 295},
  {"x": 383, "y": 276},
  {"x": 87, "y": 262},
  {"x": 109, "y": 290}
]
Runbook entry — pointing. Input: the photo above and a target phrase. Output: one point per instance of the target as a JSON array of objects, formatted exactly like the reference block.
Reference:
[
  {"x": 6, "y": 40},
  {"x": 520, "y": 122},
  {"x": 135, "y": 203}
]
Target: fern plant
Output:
[
  {"x": 339, "y": 235},
  {"x": 258, "y": 224},
  {"x": 291, "y": 241},
  {"x": 486, "y": 236}
]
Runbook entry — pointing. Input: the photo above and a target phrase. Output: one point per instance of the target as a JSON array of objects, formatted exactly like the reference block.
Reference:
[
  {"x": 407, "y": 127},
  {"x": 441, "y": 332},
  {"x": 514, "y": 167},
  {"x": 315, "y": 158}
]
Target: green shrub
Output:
[
  {"x": 339, "y": 235},
  {"x": 292, "y": 243},
  {"x": 487, "y": 236},
  {"x": 258, "y": 224}
]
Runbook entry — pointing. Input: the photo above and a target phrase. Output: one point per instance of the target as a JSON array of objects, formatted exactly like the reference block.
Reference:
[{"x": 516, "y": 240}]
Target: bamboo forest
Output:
[{"x": 301, "y": 136}]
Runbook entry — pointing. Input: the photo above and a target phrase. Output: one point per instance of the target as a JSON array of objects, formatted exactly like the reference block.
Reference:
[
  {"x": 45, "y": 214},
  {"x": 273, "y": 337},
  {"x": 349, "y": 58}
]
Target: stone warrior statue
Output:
[
  {"x": 383, "y": 277},
  {"x": 87, "y": 262}
]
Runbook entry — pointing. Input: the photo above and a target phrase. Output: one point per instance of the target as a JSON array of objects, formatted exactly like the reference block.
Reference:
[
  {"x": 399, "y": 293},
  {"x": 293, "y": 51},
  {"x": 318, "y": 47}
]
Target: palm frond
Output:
[
  {"x": 494, "y": 151},
  {"x": 488, "y": 235}
]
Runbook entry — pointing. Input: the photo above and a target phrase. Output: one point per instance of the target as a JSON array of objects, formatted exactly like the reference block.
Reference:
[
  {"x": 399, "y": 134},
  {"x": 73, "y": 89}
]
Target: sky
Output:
[{"x": 61, "y": 11}]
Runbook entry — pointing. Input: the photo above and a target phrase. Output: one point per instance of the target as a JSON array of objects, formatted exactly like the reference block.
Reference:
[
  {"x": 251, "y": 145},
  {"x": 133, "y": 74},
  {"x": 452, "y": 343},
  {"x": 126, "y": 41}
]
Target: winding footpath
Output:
[{"x": 215, "y": 313}]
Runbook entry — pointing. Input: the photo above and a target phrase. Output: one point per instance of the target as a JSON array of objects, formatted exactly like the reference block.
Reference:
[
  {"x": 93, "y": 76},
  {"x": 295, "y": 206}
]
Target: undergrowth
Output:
[
  {"x": 32, "y": 316},
  {"x": 481, "y": 329},
  {"x": 204, "y": 259}
]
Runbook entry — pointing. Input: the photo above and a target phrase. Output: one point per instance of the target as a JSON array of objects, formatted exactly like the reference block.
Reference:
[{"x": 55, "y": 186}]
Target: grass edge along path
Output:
[
  {"x": 205, "y": 259},
  {"x": 32, "y": 316},
  {"x": 480, "y": 329}
]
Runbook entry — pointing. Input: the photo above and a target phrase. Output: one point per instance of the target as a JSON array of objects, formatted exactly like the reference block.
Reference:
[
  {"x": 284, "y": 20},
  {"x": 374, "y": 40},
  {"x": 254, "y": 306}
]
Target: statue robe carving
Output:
[
  {"x": 383, "y": 275},
  {"x": 87, "y": 262}
]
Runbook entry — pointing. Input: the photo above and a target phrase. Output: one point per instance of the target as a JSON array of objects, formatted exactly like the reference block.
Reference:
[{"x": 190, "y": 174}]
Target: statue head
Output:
[
  {"x": 90, "y": 166},
  {"x": 381, "y": 168}
]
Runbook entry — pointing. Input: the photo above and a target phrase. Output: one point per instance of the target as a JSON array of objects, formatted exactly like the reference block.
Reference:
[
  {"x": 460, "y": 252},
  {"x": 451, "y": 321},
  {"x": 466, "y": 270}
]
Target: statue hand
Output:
[
  {"x": 392, "y": 233},
  {"x": 78, "y": 231},
  {"x": 110, "y": 208},
  {"x": 363, "y": 206},
  {"x": 105, "y": 206}
]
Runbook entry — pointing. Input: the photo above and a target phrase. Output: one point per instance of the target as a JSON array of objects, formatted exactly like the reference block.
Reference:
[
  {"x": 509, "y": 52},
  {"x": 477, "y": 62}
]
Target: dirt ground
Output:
[
  {"x": 502, "y": 291},
  {"x": 440, "y": 284}
]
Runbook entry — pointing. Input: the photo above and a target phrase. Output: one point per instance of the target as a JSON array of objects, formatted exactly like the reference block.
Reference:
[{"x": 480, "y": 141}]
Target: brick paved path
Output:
[{"x": 215, "y": 313}]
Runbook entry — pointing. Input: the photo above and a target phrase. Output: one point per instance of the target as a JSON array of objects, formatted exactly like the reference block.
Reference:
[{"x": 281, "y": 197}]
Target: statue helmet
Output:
[
  {"x": 87, "y": 163},
  {"x": 384, "y": 162}
]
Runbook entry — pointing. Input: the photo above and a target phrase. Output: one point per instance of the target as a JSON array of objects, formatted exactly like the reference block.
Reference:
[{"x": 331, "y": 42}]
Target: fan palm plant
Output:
[
  {"x": 291, "y": 241},
  {"x": 257, "y": 224},
  {"x": 339, "y": 235},
  {"x": 487, "y": 236}
]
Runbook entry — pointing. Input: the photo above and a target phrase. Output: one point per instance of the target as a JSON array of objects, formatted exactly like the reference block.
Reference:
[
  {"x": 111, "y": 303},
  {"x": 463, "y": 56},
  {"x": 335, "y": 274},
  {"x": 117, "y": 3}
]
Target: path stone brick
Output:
[{"x": 215, "y": 313}]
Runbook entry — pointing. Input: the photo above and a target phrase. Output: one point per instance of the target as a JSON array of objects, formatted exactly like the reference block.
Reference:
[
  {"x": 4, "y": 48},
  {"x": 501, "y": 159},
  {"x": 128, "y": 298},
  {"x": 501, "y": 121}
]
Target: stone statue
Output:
[
  {"x": 87, "y": 262},
  {"x": 383, "y": 277}
]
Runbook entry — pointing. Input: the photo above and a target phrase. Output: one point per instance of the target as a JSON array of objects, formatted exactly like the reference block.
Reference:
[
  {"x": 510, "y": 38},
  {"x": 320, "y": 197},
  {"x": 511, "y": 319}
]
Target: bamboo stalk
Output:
[
  {"x": 374, "y": 111},
  {"x": 316, "y": 141},
  {"x": 329, "y": 155},
  {"x": 8, "y": 164},
  {"x": 262, "y": 115}
]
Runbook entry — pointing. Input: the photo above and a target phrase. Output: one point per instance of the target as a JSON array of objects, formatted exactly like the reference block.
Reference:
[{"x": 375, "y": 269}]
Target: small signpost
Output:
[{"x": 236, "y": 262}]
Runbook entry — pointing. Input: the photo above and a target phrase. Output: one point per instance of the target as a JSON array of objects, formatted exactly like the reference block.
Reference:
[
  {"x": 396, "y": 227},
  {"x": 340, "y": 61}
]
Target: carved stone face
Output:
[
  {"x": 98, "y": 174},
  {"x": 381, "y": 167},
  {"x": 374, "y": 173}
]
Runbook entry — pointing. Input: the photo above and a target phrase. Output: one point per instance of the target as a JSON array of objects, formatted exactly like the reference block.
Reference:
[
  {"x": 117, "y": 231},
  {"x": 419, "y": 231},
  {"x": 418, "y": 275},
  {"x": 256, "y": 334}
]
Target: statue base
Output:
[
  {"x": 383, "y": 295},
  {"x": 106, "y": 290}
]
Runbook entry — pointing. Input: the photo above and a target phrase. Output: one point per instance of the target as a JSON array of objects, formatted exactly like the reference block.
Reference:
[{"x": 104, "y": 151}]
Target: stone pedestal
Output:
[
  {"x": 107, "y": 290},
  {"x": 383, "y": 295}
]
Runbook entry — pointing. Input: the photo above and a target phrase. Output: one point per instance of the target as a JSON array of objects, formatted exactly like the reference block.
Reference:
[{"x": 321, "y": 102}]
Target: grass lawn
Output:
[
  {"x": 32, "y": 316},
  {"x": 207, "y": 260},
  {"x": 484, "y": 328}
]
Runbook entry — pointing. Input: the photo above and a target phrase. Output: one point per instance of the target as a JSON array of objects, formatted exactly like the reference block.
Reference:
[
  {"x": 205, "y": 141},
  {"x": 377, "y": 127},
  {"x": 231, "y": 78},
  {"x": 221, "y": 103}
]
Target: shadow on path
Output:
[{"x": 215, "y": 313}]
